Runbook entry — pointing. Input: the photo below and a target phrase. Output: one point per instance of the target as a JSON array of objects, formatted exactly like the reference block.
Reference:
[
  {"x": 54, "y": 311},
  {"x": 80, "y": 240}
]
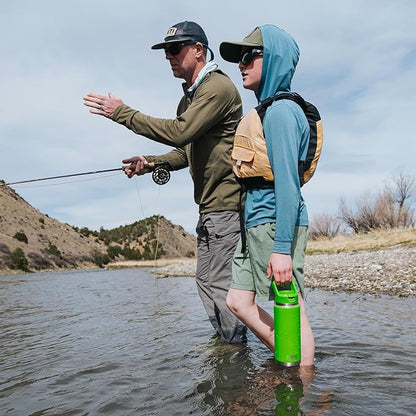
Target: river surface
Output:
[{"x": 127, "y": 342}]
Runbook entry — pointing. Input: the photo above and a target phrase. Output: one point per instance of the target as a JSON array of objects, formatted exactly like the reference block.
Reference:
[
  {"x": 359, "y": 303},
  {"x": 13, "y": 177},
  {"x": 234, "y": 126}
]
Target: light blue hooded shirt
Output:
[{"x": 287, "y": 136}]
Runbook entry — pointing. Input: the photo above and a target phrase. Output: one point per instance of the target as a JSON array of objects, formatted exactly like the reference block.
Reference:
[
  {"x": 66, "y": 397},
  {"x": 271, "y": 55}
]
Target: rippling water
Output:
[{"x": 129, "y": 343}]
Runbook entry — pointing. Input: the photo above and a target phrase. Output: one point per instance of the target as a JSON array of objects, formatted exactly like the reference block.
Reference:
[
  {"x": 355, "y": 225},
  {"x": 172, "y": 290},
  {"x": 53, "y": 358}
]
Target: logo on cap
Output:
[{"x": 171, "y": 31}]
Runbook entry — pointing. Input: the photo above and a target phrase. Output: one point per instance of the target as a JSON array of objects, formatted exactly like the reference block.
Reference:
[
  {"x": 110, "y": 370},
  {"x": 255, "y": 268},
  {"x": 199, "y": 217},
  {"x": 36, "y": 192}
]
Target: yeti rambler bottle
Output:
[{"x": 286, "y": 326}]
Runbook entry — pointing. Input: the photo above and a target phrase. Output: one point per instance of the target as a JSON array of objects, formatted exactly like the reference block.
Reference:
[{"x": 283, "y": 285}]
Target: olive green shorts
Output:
[{"x": 250, "y": 267}]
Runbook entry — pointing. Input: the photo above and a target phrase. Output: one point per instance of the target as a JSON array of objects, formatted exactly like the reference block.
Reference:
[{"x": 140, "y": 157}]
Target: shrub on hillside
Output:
[
  {"x": 19, "y": 260},
  {"x": 100, "y": 259},
  {"x": 132, "y": 254},
  {"x": 21, "y": 236},
  {"x": 114, "y": 251},
  {"x": 52, "y": 249}
]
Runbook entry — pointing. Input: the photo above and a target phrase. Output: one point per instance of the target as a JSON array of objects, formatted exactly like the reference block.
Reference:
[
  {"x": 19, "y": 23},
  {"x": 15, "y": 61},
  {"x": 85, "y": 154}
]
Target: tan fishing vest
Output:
[{"x": 249, "y": 154}]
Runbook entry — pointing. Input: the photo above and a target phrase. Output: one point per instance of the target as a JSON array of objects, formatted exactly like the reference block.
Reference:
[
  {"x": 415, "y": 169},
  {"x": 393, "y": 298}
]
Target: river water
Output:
[{"x": 126, "y": 342}]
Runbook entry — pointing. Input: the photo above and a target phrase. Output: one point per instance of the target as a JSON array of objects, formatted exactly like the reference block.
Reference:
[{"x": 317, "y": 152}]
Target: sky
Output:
[{"x": 357, "y": 65}]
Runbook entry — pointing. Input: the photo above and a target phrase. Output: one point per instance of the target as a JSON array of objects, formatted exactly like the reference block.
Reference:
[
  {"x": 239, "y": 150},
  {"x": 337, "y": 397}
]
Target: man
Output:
[
  {"x": 276, "y": 218},
  {"x": 202, "y": 134}
]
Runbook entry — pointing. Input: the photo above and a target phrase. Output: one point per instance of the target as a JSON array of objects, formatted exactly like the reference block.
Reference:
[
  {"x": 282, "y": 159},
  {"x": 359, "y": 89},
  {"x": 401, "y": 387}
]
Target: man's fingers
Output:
[
  {"x": 90, "y": 103},
  {"x": 94, "y": 101},
  {"x": 129, "y": 170},
  {"x": 94, "y": 97},
  {"x": 129, "y": 160}
]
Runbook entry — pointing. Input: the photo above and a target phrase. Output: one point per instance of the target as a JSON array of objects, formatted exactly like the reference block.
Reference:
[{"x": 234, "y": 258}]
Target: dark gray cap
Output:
[{"x": 182, "y": 32}]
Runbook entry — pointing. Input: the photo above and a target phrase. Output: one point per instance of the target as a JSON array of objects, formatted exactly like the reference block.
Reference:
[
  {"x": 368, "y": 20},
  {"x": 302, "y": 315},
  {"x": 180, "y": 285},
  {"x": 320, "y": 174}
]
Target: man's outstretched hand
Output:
[{"x": 102, "y": 105}]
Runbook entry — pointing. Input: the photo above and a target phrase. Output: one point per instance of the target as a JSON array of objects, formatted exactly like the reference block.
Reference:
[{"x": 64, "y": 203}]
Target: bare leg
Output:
[
  {"x": 241, "y": 303},
  {"x": 307, "y": 340}
]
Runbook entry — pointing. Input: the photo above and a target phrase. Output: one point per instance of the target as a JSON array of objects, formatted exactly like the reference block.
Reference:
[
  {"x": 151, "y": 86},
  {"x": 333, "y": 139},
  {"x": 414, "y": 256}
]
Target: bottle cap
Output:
[{"x": 285, "y": 296}]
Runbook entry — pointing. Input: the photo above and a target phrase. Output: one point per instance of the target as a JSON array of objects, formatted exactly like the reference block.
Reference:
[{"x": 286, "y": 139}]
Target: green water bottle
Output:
[{"x": 286, "y": 326}]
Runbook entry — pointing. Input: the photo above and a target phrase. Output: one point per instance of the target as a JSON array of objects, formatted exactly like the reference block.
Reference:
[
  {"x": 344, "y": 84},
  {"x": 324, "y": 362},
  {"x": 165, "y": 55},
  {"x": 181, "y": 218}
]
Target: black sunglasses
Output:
[
  {"x": 247, "y": 57},
  {"x": 175, "y": 48}
]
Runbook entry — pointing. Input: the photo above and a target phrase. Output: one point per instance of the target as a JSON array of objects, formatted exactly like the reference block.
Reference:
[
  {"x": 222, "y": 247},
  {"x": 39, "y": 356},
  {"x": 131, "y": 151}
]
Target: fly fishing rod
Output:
[
  {"x": 160, "y": 175},
  {"x": 62, "y": 176}
]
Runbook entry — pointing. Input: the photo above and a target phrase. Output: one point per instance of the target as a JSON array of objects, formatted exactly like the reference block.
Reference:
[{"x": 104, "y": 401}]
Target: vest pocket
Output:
[
  {"x": 249, "y": 155},
  {"x": 242, "y": 154}
]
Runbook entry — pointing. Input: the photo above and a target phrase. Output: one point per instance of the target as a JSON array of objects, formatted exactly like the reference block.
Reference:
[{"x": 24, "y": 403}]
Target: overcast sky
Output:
[{"x": 357, "y": 65}]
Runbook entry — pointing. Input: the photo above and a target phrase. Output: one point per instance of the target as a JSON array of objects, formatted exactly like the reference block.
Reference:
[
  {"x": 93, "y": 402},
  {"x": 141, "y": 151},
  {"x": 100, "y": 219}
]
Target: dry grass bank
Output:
[{"x": 374, "y": 240}]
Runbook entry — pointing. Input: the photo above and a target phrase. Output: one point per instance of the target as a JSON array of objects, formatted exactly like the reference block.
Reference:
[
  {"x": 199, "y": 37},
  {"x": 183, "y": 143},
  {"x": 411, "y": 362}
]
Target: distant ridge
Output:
[{"x": 32, "y": 241}]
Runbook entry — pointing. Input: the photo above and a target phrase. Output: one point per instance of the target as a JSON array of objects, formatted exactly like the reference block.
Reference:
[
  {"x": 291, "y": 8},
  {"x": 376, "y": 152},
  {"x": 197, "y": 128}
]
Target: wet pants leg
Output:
[{"x": 218, "y": 234}]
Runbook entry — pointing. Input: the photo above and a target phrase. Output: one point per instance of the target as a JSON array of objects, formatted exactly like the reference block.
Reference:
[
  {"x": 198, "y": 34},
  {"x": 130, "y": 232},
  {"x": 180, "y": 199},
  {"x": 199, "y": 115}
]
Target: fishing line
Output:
[
  {"x": 155, "y": 303},
  {"x": 158, "y": 288},
  {"x": 139, "y": 196},
  {"x": 157, "y": 231},
  {"x": 158, "y": 215}
]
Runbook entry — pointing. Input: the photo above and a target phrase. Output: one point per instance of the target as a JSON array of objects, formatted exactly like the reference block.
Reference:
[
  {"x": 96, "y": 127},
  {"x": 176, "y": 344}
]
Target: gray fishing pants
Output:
[{"x": 218, "y": 234}]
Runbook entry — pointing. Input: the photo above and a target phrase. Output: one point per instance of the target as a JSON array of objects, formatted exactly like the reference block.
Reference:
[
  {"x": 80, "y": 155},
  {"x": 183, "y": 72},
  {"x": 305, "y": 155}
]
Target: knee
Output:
[
  {"x": 233, "y": 302},
  {"x": 229, "y": 301}
]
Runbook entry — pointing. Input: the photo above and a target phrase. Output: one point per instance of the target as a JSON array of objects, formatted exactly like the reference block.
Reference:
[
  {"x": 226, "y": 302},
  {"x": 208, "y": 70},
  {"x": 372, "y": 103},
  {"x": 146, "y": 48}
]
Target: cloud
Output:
[{"x": 357, "y": 65}]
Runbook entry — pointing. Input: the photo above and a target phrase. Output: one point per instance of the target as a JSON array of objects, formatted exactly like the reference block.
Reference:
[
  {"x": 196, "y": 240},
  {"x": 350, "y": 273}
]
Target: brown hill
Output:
[{"x": 31, "y": 241}]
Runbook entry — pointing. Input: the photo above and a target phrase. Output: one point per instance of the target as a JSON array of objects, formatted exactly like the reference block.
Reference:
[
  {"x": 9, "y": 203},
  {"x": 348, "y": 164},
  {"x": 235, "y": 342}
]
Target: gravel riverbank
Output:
[{"x": 381, "y": 272}]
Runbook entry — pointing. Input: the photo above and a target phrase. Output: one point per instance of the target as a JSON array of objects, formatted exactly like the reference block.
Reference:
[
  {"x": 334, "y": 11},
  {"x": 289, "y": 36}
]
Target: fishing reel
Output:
[{"x": 160, "y": 174}]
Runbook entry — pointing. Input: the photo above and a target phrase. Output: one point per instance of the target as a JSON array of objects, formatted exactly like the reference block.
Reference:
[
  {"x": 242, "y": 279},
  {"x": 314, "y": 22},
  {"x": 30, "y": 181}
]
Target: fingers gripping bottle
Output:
[{"x": 286, "y": 326}]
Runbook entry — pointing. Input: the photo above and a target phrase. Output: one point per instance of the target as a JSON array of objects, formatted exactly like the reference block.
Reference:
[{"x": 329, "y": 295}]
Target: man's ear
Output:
[{"x": 200, "y": 50}]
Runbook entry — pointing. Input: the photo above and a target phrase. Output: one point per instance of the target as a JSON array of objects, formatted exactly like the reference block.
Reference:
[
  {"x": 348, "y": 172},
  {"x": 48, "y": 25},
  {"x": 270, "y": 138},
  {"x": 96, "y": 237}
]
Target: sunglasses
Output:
[
  {"x": 247, "y": 57},
  {"x": 176, "y": 47}
]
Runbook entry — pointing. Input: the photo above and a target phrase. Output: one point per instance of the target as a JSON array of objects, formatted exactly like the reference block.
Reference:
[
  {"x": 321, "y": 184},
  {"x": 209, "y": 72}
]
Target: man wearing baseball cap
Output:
[
  {"x": 202, "y": 135},
  {"x": 184, "y": 33}
]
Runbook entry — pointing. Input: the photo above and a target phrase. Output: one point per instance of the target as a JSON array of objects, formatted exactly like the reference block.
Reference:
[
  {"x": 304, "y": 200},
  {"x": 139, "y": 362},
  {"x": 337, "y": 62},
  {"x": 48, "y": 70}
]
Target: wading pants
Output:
[{"x": 218, "y": 234}]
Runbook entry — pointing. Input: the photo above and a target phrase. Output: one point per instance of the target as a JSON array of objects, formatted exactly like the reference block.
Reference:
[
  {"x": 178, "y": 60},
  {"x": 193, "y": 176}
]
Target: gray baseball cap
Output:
[{"x": 182, "y": 32}]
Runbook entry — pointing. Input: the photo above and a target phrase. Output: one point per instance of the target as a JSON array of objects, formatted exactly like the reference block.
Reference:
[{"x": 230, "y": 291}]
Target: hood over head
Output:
[{"x": 280, "y": 57}]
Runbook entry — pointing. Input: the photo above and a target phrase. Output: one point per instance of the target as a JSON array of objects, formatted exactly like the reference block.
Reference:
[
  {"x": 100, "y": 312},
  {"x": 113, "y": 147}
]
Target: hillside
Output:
[{"x": 32, "y": 241}]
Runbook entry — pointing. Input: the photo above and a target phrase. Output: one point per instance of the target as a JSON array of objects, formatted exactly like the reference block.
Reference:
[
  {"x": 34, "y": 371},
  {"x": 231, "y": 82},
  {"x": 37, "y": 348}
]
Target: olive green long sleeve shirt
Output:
[{"x": 202, "y": 134}]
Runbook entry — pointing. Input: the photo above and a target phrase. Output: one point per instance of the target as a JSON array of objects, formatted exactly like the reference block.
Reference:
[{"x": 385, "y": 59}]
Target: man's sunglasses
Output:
[
  {"x": 247, "y": 57},
  {"x": 175, "y": 48}
]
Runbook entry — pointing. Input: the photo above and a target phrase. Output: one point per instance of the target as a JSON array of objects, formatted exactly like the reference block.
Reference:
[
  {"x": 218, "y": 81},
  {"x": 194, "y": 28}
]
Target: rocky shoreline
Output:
[{"x": 381, "y": 272}]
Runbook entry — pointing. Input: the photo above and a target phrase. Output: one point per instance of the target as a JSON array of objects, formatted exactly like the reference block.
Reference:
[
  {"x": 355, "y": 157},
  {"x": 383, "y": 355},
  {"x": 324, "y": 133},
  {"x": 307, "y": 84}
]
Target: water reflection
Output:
[
  {"x": 277, "y": 391},
  {"x": 238, "y": 386}
]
